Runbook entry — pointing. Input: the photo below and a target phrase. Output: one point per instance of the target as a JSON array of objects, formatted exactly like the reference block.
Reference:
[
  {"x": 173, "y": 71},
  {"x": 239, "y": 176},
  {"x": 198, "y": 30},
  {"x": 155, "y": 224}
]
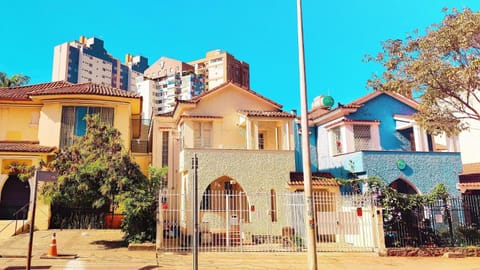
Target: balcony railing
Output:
[{"x": 140, "y": 146}]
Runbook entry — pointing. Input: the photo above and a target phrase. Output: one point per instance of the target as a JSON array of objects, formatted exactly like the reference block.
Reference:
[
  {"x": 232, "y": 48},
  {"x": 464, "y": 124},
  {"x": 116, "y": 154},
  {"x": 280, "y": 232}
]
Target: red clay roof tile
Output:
[
  {"x": 253, "y": 113},
  {"x": 22, "y": 92},
  {"x": 25, "y": 147},
  {"x": 62, "y": 88}
]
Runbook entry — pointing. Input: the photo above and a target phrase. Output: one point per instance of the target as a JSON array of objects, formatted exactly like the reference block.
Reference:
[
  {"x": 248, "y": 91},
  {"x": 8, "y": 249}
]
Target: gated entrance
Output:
[{"x": 270, "y": 222}]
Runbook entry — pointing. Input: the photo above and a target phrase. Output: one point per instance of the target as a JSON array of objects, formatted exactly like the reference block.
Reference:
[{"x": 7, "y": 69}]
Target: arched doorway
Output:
[
  {"x": 404, "y": 186},
  {"x": 14, "y": 198},
  {"x": 223, "y": 208}
]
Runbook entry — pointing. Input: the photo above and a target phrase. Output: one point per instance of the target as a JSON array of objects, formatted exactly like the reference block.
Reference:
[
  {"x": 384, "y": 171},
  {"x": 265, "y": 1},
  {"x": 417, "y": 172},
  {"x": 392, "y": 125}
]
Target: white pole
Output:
[
  {"x": 307, "y": 174},
  {"x": 195, "y": 211}
]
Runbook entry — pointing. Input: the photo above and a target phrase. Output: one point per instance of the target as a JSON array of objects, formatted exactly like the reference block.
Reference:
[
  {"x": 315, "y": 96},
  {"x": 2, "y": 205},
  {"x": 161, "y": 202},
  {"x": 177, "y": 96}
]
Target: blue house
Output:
[{"x": 376, "y": 135}]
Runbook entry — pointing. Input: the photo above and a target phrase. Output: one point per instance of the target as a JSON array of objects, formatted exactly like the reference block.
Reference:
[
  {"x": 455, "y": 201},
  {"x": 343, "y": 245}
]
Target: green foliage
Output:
[
  {"x": 394, "y": 202},
  {"x": 15, "y": 80},
  {"x": 440, "y": 67},
  {"x": 23, "y": 171},
  {"x": 94, "y": 172},
  {"x": 141, "y": 204},
  {"x": 97, "y": 173}
]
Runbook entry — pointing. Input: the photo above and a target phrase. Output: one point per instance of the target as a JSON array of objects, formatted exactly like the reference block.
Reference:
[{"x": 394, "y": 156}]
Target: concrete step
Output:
[{"x": 8, "y": 228}]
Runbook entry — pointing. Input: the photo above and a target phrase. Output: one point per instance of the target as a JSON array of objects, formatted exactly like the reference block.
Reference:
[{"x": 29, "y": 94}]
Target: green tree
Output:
[
  {"x": 440, "y": 67},
  {"x": 95, "y": 171},
  {"x": 141, "y": 205},
  {"x": 15, "y": 80}
]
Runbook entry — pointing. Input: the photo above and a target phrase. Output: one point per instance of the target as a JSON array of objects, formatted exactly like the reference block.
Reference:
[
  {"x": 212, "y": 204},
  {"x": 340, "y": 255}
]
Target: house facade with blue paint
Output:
[{"x": 376, "y": 135}]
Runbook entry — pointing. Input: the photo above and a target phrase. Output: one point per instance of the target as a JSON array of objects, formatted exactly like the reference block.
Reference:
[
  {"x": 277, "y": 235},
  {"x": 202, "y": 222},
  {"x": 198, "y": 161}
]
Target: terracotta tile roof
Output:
[
  {"x": 465, "y": 187},
  {"x": 22, "y": 92},
  {"x": 185, "y": 101},
  {"x": 469, "y": 178},
  {"x": 360, "y": 121},
  {"x": 254, "y": 113},
  {"x": 202, "y": 116},
  {"x": 471, "y": 168},
  {"x": 317, "y": 112},
  {"x": 31, "y": 147},
  {"x": 86, "y": 88},
  {"x": 319, "y": 179}
]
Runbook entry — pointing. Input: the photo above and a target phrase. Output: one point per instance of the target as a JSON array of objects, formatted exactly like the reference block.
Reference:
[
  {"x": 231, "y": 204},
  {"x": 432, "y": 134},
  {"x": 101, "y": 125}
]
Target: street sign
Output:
[{"x": 46, "y": 176}]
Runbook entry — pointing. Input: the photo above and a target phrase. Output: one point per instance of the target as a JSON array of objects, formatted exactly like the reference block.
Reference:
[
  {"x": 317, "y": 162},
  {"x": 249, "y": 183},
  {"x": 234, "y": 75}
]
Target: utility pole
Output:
[
  {"x": 307, "y": 173},
  {"x": 32, "y": 221},
  {"x": 43, "y": 176},
  {"x": 195, "y": 211}
]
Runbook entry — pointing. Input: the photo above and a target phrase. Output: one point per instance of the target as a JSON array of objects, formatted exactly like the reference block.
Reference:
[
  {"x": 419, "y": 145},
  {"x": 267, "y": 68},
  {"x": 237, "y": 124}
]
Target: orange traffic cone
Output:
[{"x": 52, "y": 251}]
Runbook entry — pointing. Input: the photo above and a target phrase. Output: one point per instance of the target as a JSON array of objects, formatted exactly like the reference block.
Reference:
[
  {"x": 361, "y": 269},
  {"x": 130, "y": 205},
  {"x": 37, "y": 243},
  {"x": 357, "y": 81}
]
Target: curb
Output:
[
  {"x": 142, "y": 247},
  {"x": 59, "y": 256},
  {"x": 13, "y": 256}
]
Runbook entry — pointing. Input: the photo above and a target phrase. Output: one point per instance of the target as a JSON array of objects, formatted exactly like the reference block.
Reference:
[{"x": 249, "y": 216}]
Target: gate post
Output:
[
  {"x": 378, "y": 226},
  {"x": 160, "y": 218}
]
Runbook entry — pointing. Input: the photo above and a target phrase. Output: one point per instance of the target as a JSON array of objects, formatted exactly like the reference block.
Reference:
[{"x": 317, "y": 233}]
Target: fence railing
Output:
[
  {"x": 453, "y": 221},
  {"x": 78, "y": 218},
  {"x": 19, "y": 217},
  {"x": 267, "y": 222}
]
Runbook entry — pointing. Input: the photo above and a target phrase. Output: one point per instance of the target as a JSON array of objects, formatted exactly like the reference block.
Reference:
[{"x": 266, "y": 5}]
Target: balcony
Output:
[{"x": 140, "y": 146}]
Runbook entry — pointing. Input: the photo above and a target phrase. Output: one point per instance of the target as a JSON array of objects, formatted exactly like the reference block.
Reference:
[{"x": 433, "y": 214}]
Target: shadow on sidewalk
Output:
[
  {"x": 31, "y": 267},
  {"x": 111, "y": 244}
]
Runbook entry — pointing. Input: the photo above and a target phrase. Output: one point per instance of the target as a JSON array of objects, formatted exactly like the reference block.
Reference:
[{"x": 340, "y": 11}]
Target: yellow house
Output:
[
  {"x": 244, "y": 145},
  {"x": 36, "y": 120}
]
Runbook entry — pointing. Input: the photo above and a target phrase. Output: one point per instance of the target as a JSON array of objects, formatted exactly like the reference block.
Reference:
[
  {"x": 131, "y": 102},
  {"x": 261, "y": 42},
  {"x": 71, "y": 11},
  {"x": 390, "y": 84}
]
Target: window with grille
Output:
[
  {"x": 261, "y": 141},
  {"x": 273, "y": 205},
  {"x": 336, "y": 141},
  {"x": 202, "y": 133},
  {"x": 362, "y": 137},
  {"x": 165, "y": 148}
]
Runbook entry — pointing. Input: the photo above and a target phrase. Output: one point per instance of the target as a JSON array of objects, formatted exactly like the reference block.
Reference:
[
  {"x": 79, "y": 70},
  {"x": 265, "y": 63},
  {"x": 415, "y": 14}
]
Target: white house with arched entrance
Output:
[{"x": 244, "y": 145}]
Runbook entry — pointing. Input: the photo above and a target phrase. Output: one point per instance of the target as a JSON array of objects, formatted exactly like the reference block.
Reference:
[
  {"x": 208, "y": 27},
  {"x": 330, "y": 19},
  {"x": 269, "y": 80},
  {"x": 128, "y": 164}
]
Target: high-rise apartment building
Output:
[
  {"x": 219, "y": 67},
  {"x": 164, "y": 82},
  {"x": 87, "y": 60}
]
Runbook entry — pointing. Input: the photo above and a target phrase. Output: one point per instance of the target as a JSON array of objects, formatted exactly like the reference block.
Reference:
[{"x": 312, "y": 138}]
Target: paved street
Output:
[{"x": 102, "y": 249}]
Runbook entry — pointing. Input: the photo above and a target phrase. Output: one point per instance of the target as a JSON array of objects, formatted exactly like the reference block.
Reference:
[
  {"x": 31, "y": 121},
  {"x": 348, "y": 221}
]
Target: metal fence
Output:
[
  {"x": 78, "y": 218},
  {"x": 267, "y": 222},
  {"x": 449, "y": 222}
]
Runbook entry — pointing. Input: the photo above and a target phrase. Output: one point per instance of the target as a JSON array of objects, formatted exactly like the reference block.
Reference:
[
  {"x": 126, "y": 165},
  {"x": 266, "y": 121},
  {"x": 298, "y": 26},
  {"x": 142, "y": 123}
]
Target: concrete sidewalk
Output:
[{"x": 103, "y": 249}]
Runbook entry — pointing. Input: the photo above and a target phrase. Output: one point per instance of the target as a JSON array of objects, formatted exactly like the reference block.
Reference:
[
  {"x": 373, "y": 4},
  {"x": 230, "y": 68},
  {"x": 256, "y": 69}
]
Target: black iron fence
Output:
[
  {"x": 448, "y": 222},
  {"x": 78, "y": 218}
]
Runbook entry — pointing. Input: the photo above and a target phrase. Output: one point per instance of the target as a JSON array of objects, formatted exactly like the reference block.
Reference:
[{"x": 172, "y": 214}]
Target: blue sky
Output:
[{"x": 337, "y": 34}]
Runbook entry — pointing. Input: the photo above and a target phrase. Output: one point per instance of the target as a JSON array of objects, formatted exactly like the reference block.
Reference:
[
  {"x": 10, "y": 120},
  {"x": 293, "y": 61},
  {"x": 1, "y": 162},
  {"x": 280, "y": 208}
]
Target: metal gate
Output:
[{"x": 268, "y": 222}]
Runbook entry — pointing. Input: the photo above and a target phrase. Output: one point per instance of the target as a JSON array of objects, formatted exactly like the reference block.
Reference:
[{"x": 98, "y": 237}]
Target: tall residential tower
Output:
[
  {"x": 166, "y": 81},
  {"x": 219, "y": 67},
  {"x": 87, "y": 60}
]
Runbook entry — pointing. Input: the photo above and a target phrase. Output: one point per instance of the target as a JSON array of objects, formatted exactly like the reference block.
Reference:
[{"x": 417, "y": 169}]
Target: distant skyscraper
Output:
[
  {"x": 87, "y": 60},
  {"x": 164, "y": 82},
  {"x": 219, "y": 67}
]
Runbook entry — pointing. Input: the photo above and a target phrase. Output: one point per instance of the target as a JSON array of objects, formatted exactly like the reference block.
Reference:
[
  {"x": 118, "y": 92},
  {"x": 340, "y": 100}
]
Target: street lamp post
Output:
[{"x": 307, "y": 173}]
